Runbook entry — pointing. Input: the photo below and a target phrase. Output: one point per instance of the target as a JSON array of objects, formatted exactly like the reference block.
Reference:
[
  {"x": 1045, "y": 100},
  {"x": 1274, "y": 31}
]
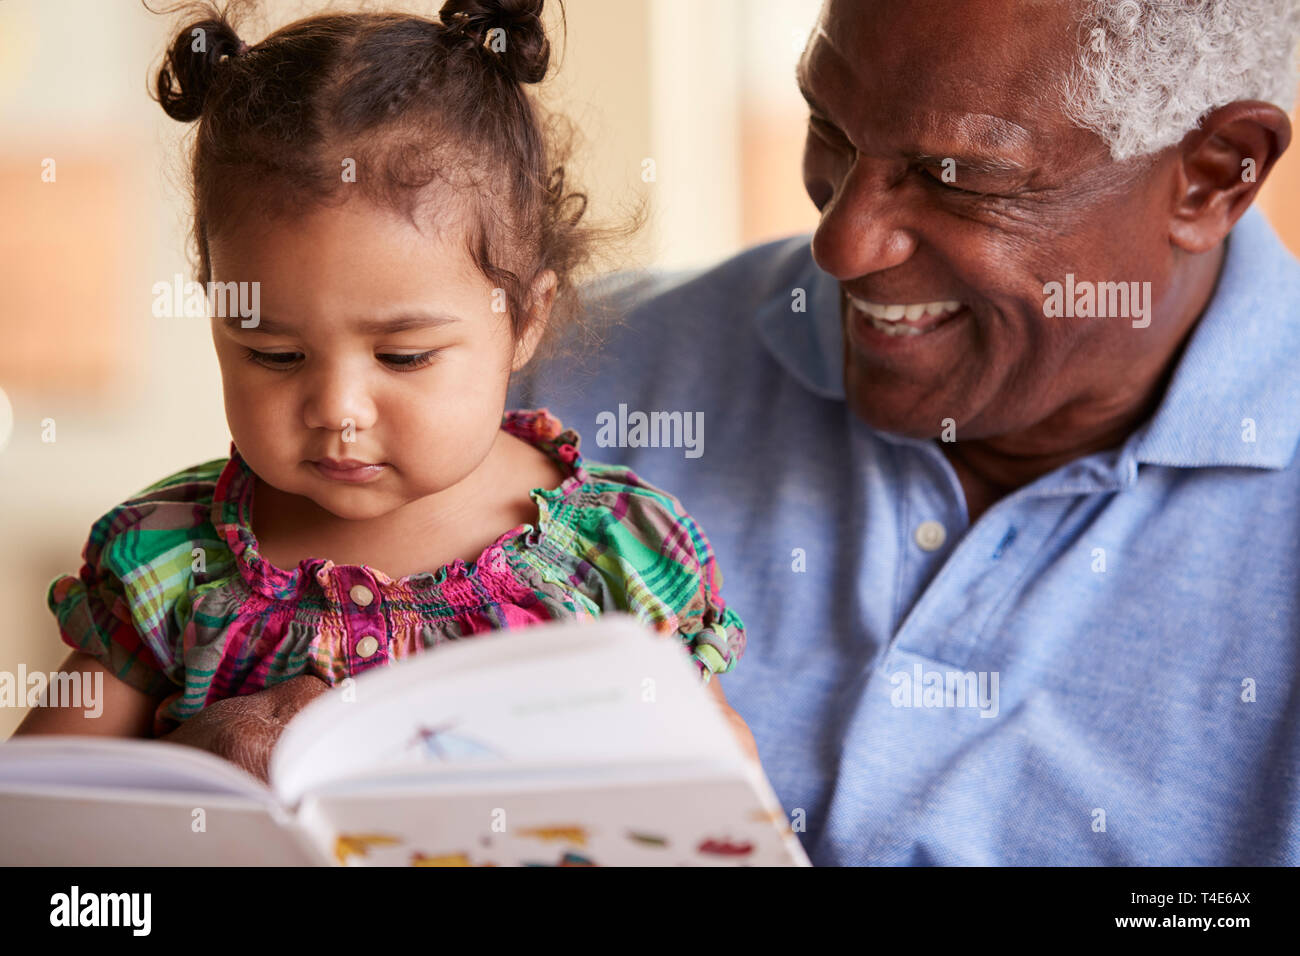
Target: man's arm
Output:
[{"x": 244, "y": 730}]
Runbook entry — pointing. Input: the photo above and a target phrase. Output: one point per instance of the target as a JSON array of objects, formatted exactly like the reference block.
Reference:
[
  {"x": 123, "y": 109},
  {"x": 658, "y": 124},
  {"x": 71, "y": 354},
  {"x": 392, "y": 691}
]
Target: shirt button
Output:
[
  {"x": 361, "y": 595},
  {"x": 930, "y": 535},
  {"x": 367, "y": 646}
]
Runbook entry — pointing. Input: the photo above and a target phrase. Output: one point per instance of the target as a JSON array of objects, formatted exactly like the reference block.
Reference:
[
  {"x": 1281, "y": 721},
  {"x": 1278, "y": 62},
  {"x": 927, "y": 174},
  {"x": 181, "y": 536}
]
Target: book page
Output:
[
  {"x": 47, "y": 825},
  {"x": 657, "y": 816},
  {"x": 608, "y": 692},
  {"x": 556, "y": 745},
  {"x": 138, "y": 764},
  {"x": 89, "y": 801}
]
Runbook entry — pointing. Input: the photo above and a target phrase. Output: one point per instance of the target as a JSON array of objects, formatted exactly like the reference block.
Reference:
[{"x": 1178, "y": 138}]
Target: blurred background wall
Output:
[{"x": 702, "y": 88}]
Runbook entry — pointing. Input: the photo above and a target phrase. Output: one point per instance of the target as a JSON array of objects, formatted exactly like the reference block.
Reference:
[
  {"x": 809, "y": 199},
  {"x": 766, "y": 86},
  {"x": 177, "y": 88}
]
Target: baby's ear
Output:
[{"x": 540, "y": 300}]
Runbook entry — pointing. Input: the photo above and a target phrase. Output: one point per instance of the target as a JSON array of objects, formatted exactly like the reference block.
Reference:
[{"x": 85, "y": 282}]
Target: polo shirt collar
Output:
[
  {"x": 1241, "y": 363},
  {"x": 1240, "y": 370},
  {"x": 809, "y": 343}
]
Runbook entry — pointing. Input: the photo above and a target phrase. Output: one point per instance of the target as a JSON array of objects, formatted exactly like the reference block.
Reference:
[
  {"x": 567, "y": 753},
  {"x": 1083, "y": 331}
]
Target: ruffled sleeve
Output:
[
  {"x": 655, "y": 562},
  {"x": 122, "y": 606}
]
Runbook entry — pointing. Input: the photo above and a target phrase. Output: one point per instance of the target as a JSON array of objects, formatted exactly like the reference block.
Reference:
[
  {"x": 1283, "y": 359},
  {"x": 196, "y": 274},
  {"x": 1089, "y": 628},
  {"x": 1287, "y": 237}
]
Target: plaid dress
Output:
[{"x": 174, "y": 598}]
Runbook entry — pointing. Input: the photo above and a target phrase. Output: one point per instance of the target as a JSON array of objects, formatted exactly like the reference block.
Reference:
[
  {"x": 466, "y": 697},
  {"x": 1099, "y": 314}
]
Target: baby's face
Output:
[{"x": 375, "y": 342}]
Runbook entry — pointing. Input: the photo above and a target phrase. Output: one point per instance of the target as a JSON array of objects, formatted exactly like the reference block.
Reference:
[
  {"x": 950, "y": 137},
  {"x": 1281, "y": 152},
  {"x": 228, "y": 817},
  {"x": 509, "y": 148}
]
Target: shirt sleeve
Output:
[
  {"x": 118, "y": 609},
  {"x": 658, "y": 565}
]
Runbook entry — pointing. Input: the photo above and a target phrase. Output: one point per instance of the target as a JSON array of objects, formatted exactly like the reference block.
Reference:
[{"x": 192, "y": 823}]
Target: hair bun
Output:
[
  {"x": 521, "y": 49},
  {"x": 190, "y": 65}
]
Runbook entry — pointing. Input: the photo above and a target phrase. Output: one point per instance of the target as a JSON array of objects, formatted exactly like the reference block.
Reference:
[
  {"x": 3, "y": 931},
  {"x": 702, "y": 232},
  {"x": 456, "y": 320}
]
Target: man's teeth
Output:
[
  {"x": 894, "y": 328},
  {"x": 896, "y": 313}
]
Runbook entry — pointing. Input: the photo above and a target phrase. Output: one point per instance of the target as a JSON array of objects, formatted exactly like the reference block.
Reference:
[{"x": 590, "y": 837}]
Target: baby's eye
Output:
[
  {"x": 272, "y": 359},
  {"x": 407, "y": 363},
  {"x": 286, "y": 360}
]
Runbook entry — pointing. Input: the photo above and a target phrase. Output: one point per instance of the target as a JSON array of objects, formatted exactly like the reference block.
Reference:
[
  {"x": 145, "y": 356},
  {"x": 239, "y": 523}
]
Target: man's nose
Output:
[
  {"x": 337, "y": 395},
  {"x": 862, "y": 229}
]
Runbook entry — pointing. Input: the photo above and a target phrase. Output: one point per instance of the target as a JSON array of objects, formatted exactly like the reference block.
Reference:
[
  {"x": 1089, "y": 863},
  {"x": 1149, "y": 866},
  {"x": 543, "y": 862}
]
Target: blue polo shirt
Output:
[{"x": 1103, "y": 669}]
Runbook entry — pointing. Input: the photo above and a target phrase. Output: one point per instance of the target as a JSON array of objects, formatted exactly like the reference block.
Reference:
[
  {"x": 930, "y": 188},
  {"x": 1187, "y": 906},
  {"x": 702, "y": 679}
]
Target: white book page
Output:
[
  {"x": 44, "y": 825},
  {"x": 106, "y": 801},
  {"x": 680, "y": 815},
  {"x": 602, "y": 693},
  {"x": 109, "y": 762}
]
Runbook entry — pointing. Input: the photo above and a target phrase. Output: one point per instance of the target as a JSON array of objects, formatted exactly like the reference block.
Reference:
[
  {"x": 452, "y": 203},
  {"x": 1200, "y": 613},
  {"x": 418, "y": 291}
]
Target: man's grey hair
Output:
[{"x": 1149, "y": 71}]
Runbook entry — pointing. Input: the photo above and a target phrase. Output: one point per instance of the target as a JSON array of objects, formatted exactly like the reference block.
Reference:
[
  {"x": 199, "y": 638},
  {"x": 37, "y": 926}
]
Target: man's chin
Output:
[{"x": 891, "y": 411}]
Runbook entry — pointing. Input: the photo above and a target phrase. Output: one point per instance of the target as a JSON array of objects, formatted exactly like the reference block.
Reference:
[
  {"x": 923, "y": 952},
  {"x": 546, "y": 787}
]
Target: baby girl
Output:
[{"x": 393, "y": 190}]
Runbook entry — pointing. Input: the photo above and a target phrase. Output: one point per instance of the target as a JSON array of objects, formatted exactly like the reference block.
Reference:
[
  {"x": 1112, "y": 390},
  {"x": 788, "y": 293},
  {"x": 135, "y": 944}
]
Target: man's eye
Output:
[
  {"x": 935, "y": 175},
  {"x": 272, "y": 359},
  {"x": 410, "y": 362}
]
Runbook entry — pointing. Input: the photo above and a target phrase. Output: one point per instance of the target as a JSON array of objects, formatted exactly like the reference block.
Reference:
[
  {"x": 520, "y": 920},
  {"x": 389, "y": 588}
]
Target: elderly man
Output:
[{"x": 1000, "y": 470}]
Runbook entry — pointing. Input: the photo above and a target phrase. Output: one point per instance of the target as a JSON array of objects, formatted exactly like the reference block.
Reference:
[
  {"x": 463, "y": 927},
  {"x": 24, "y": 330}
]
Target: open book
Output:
[{"x": 563, "y": 744}]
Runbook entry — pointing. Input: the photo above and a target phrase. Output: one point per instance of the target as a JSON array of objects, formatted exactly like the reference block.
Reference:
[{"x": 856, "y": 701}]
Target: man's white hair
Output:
[{"x": 1150, "y": 70}]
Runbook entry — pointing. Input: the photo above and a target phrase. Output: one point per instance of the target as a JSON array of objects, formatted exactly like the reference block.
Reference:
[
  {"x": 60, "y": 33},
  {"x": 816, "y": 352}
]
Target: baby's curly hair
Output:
[{"x": 407, "y": 100}]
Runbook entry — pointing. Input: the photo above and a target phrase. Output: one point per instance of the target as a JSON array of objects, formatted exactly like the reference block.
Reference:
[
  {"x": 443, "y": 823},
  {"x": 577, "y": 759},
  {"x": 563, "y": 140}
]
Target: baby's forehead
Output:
[
  {"x": 440, "y": 223},
  {"x": 356, "y": 260},
  {"x": 245, "y": 207},
  {"x": 374, "y": 321}
]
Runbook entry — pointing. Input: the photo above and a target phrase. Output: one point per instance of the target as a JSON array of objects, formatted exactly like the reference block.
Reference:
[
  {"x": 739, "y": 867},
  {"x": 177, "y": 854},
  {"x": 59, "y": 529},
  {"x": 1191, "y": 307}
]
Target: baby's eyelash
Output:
[
  {"x": 407, "y": 363},
  {"x": 285, "y": 360},
  {"x": 271, "y": 359}
]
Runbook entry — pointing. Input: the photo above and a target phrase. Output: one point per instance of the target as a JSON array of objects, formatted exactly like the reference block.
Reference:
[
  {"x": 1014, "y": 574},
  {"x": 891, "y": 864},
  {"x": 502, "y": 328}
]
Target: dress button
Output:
[
  {"x": 367, "y": 646},
  {"x": 361, "y": 595},
  {"x": 930, "y": 535}
]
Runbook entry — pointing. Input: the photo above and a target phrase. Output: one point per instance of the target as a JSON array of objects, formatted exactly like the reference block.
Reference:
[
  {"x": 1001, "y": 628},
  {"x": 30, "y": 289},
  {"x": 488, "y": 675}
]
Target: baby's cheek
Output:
[
  {"x": 256, "y": 410},
  {"x": 443, "y": 441}
]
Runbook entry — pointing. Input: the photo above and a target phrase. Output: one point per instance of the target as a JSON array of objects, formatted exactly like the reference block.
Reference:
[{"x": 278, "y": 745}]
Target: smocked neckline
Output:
[{"x": 232, "y": 503}]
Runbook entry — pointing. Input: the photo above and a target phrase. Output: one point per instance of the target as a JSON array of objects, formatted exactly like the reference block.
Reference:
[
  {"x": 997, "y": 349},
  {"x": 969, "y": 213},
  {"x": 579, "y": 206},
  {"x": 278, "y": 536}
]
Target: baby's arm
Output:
[
  {"x": 126, "y": 712},
  {"x": 243, "y": 730}
]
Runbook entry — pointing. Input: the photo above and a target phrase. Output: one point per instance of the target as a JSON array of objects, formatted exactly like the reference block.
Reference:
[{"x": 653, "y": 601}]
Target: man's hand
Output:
[
  {"x": 244, "y": 729},
  {"x": 736, "y": 722}
]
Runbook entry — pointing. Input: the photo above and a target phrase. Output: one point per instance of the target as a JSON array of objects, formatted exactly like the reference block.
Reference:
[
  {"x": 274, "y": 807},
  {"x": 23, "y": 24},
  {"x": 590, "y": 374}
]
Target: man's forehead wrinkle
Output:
[
  {"x": 991, "y": 72},
  {"x": 984, "y": 131},
  {"x": 864, "y": 77},
  {"x": 893, "y": 116}
]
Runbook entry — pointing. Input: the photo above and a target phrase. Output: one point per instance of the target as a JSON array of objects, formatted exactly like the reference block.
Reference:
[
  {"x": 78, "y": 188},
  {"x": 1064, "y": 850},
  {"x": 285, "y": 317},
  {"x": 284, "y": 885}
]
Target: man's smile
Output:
[
  {"x": 874, "y": 326},
  {"x": 906, "y": 319}
]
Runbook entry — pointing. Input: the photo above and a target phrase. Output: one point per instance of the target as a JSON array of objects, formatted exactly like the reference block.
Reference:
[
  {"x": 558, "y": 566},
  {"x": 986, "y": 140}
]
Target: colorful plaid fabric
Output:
[{"x": 174, "y": 598}]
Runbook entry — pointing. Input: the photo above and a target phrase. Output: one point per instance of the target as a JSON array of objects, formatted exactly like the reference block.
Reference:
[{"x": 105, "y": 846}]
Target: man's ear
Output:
[
  {"x": 1221, "y": 166},
  {"x": 541, "y": 297}
]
